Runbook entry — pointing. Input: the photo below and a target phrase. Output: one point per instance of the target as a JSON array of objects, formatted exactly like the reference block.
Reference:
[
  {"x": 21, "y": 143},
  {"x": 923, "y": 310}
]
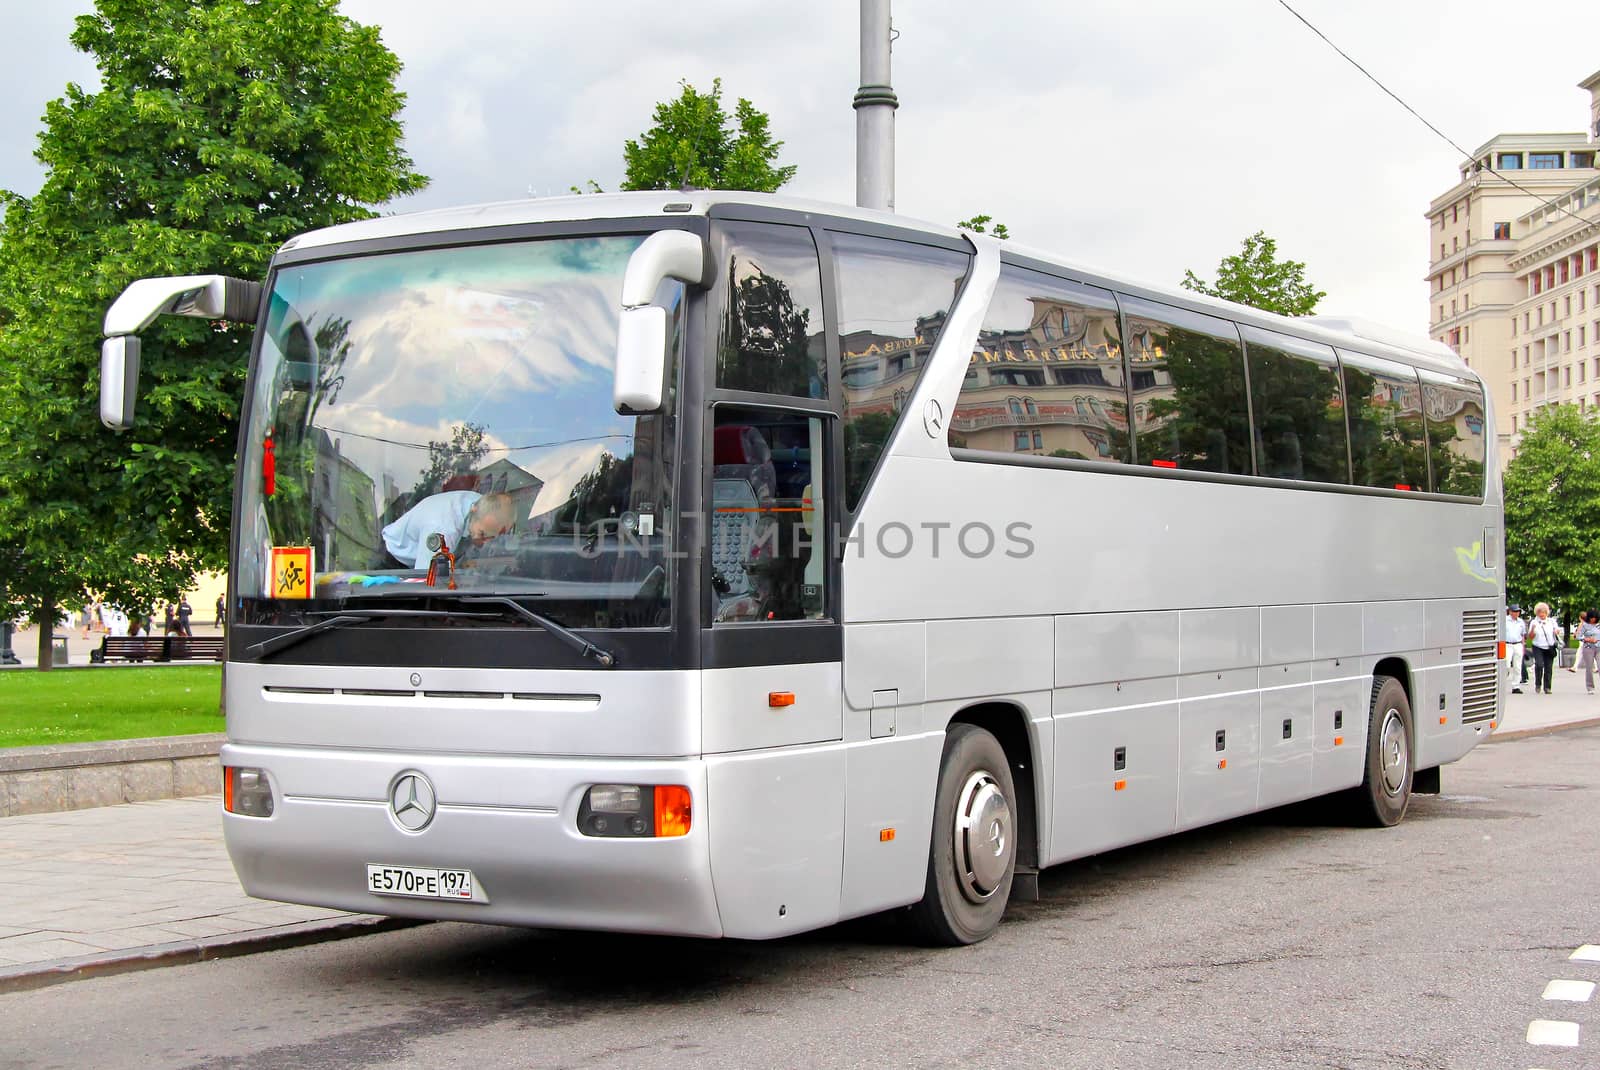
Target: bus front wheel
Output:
[
  {"x": 1385, "y": 790},
  {"x": 973, "y": 853}
]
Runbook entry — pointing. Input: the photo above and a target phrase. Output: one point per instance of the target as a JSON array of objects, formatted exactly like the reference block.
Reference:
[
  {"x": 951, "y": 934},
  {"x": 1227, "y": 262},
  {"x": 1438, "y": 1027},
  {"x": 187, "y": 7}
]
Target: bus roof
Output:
[{"x": 1347, "y": 332}]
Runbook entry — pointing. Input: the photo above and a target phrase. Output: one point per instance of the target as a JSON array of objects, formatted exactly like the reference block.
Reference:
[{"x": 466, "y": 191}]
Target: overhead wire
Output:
[{"x": 1547, "y": 203}]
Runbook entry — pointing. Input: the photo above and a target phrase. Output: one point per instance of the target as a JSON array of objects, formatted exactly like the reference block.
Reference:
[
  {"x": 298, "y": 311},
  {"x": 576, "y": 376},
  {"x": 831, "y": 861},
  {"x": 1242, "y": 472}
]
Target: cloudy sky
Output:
[{"x": 1145, "y": 136}]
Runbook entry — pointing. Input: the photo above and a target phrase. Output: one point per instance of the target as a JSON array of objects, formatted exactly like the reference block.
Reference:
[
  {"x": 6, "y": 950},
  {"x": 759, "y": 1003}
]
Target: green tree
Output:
[
  {"x": 220, "y": 129},
  {"x": 1552, "y": 510},
  {"x": 979, "y": 224},
  {"x": 1256, "y": 277},
  {"x": 690, "y": 144}
]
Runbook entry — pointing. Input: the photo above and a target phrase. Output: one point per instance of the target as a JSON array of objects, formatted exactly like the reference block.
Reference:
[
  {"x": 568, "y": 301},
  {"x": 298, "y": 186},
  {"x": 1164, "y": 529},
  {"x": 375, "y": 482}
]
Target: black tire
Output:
[
  {"x": 968, "y": 885},
  {"x": 1385, "y": 790}
]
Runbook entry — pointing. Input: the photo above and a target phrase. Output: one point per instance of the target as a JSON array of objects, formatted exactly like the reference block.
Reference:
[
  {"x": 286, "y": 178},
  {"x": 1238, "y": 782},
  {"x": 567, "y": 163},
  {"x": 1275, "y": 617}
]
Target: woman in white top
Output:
[{"x": 1546, "y": 635}]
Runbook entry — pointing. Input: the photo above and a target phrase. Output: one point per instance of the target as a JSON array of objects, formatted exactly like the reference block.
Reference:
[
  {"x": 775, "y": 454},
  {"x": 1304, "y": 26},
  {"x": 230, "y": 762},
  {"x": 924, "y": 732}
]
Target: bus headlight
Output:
[
  {"x": 246, "y": 791},
  {"x": 635, "y": 810}
]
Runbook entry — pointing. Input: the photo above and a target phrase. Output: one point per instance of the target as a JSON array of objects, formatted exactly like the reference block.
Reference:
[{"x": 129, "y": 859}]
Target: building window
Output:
[
  {"x": 1509, "y": 161},
  {"x": 1544, "y": 161},
  {"x": 1582, "y": 159},
  {"x": 1502, "y": 231},
  {"x": 1455, "y": 213},
  {"x": 1466, "y": 334},
  {"x": 1513, "y": 392},
  {"x": 1566, "y": 307},
  {"x": 1019, "y": 441},
  {"x": 1038, "y": 440}
]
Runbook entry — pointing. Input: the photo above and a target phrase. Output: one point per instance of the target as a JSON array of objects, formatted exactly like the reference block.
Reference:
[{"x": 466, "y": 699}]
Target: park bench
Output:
[{"x": 157, "y": 648}]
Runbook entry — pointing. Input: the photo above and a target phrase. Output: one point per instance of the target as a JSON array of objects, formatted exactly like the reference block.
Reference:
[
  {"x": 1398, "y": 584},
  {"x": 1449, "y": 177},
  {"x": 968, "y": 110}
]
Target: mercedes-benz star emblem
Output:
[{"x": 412, "y": 801}]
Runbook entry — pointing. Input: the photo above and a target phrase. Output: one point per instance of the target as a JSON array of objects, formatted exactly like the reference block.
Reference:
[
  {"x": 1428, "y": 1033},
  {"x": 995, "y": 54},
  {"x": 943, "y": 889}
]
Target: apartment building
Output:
[{"x": 1512, "y": 273}]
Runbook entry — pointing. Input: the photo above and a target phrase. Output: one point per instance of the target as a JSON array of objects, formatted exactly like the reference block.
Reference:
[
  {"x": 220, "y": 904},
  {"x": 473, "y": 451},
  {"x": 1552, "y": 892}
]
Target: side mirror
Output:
[
  {"x": 642, "y": 329},
  {"x": 119, "y": 378},
  {"x": 214, "y": 297}
]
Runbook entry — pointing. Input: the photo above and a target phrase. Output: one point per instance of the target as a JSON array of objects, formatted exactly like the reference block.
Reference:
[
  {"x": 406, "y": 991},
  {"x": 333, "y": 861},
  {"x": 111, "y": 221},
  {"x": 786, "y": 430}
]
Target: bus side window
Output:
[
  {"x": 1384, "y": 407},
  {"x": 1454, "y": 410},
  {"x": 768, "y": 297},
  {"x": 1046, "y": 377},
  {"x": 893, "y": 299},
  {"x": 1191, "y": 411},
  {"x": 767, "y": 532},
  {"x": 1298, "y": 408}
]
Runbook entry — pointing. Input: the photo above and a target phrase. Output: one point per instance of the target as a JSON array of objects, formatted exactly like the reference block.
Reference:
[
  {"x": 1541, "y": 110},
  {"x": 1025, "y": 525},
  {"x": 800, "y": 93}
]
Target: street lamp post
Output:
[{"x": 875, "y": 104}]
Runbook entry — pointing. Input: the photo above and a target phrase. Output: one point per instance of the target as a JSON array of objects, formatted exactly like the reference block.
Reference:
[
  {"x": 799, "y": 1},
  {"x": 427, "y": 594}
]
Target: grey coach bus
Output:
[{"x": 729, "y": 565}]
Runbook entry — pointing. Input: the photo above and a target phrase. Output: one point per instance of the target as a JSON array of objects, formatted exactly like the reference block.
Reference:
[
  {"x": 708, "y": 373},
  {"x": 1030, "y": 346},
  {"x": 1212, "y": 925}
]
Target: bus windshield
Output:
[{"x": 437, "y": 422}]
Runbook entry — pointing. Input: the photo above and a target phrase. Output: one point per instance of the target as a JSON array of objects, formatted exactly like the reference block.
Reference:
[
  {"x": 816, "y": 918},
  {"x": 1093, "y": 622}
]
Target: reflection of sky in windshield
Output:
[{"x": 518, "y": 339}]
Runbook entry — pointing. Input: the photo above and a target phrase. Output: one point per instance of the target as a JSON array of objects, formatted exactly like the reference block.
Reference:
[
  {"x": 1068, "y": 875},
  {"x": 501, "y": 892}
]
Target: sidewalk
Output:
[
  {"x": 1530, "y": 714},
  {"x": 118, "y": 887}
]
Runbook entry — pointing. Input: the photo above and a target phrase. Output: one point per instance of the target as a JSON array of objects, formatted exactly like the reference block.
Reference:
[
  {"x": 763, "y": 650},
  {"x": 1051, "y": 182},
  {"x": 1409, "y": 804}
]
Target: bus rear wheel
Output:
[
  {"x": 973, "y": 854},
  {"x": 1385, "y": 790}
]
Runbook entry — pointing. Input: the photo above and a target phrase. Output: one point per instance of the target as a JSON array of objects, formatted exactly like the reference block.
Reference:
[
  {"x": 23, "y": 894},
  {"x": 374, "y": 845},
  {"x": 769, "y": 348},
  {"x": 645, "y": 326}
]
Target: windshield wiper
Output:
[
  {"x": 346, "y": 618},
  {"x": 586, "y": 649}
]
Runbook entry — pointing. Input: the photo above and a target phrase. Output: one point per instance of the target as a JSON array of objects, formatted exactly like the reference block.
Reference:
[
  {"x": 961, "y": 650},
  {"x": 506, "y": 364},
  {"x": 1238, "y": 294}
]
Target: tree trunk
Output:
[{"x": 45, "y": 618}]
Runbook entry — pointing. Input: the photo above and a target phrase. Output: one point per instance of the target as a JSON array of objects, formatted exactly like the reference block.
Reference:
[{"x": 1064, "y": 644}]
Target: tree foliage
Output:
[
  {"x": 220, "y": 129},
  {"x": 1256, "y": 277},
  {"x": 690, "y": 144},
  {"x": 1552, "y": 510},
  {"x": 979, "y": 224}
]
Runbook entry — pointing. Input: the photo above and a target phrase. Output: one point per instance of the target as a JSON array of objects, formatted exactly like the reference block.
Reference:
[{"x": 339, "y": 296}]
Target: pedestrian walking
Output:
[
  {"x": 1516, "y": 637},
  {"x": 169, "y": 623},
  {"x": 221, "y": 606},
  {"x": 185, "y": 611},
  {"x": 1547, "y": 636},
  {"x": 1589, "y": 646}
]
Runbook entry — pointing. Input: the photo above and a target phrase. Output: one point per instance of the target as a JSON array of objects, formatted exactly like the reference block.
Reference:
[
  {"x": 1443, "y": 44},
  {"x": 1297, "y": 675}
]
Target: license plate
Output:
[{"x": 419, "y": 883}]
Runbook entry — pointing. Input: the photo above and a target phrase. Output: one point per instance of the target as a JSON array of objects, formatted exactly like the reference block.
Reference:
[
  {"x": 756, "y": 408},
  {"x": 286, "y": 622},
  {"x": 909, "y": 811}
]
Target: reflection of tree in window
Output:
[
  {"x": 1203, "y": 422},
  {"x": 308, "y": 377},
  {"x": 601, "y": 495},
  {"x": 1299, "y": 414},
  {"x": 1386, "y": 439}
]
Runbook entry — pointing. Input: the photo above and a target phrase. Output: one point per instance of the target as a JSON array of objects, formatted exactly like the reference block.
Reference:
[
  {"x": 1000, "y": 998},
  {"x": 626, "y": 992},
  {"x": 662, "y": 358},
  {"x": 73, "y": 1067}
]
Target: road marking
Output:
[
  {"x": 1553, "y": 1034},
  {"x": 1586, "y": 953},
  {"x": 1571, "y": 991}
]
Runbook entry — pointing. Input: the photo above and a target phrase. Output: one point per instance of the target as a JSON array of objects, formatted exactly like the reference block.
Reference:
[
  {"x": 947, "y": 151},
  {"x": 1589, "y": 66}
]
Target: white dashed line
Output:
[
  {"x": 1586, "y": 953},
  {"x": 1571, "y": 991},
  {"x": 1553, "y": 1034}
]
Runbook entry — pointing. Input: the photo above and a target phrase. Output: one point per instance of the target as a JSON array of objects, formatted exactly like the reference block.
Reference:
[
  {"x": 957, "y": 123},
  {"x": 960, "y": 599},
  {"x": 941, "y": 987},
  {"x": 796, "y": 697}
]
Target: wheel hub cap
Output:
[
  {"x": 1392, "y": 752},
  {"x": 983, "y": 840}
]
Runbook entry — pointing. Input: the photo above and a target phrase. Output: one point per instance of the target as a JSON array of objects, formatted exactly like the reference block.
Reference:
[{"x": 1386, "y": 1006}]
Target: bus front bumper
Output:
[{"x": 510, "y": 821}]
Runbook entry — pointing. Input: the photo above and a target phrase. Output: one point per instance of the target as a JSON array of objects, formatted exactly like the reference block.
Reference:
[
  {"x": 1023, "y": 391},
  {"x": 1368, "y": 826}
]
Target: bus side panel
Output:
[
  {"x": 1219, "y": 746},
  {"x": 776, "y": 826},
  {"x": 1116, "y": 766},
  {"x": 738, "y": 713},
  {"x": 888, "y": 821},
  {"x": 1287, "y": 736},
  {"x": 1340, "y": 700}
]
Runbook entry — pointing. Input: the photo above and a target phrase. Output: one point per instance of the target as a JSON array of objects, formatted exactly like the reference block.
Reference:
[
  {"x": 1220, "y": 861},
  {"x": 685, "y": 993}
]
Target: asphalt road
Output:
[{"x": 1280, "y": 941}]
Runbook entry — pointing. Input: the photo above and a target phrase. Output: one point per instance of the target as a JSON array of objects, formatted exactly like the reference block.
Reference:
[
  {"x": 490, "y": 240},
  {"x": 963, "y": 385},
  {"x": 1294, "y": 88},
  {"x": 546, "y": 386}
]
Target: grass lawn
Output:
[{"x": 78, "y": 705}]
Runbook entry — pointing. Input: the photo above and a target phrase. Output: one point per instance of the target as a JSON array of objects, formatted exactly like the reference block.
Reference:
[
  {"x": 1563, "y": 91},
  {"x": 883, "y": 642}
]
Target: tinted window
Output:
[
  {"x": 1454, "y": 412},
  {"x": 893, "y": 300},
  {"x": 769, "y": 291},
  {"x": 1387, "y": 447},
  {"x": 1298, "y": 408},
  {"x": 1189, "y": 404},
  {"x": 1046, "y": 377}
]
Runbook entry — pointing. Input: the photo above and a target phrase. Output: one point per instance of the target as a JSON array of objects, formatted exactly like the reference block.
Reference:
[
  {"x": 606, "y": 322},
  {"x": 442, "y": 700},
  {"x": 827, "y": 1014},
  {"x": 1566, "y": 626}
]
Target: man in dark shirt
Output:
[{"x": 185, "y": 611}]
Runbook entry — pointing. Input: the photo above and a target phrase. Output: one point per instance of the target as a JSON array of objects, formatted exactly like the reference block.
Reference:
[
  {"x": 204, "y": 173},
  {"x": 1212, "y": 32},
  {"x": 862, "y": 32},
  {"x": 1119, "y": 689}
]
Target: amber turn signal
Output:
[
  {"x": 776, "y": 699},
  {"x": 885, "y": 835},
  {"x": 1118, "y": 785},
  {"x": 673, "y": 810}
]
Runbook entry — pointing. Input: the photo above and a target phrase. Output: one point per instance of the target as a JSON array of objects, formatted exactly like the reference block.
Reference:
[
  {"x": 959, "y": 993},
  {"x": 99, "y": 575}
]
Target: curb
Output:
[
  {"x": 58, "y": 777},
  {"x": 1541, "y": 730},
  {"x": 185, "y": 952}
]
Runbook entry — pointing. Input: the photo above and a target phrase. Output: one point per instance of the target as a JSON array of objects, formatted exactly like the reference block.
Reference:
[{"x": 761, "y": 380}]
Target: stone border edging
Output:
[
  {"x": 1541, "y": 730},
  {"x": 110, "y": 752},
  {"x": 186, "y": 952},
  {"x": 78, "y": 776}
]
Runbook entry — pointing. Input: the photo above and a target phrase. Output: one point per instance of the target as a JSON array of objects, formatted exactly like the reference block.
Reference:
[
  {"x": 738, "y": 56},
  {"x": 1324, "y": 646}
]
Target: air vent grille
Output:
[{"x": 1480, "y": 669}]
